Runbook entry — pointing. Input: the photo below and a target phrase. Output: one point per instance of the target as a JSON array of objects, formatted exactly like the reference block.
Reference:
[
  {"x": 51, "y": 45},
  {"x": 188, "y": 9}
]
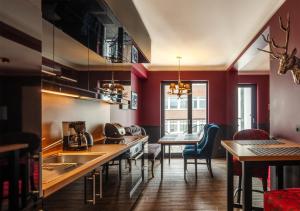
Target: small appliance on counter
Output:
[
  {"x": 114, "y": 133},
  {"x": 75, "y": 136}
]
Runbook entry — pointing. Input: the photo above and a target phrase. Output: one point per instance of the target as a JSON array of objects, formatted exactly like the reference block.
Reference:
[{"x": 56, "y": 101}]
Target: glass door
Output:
[
  {"x": 246, "y": 106},
  {"x": 183, "y": 115}
]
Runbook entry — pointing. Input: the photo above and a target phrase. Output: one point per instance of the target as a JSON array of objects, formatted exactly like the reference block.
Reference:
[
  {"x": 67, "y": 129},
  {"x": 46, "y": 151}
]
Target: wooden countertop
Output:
[
  {"x": 106, "y": 152},
  {"x": 12, "y": 147},
  {"x": 242, "y": 153}
]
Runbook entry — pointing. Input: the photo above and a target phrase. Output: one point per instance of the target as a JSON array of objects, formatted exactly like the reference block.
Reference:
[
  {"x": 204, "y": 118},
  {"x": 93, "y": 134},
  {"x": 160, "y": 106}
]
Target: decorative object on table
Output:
[
  {"x": 134, "y": 100},
  {"x": 286, "y": 61},
  {"x": 180, "y": 88}
]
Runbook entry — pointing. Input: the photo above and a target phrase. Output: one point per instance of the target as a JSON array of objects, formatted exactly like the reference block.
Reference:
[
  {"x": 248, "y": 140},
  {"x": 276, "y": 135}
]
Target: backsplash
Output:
[{"x": 56, "y": 109}]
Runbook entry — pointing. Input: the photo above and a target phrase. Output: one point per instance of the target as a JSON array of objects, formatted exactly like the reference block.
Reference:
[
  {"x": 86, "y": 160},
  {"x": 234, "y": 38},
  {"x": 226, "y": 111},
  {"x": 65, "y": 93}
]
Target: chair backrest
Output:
[
  {"x": 210, "y": 140},
  {"x": 251, "y": 134},
  {"x": 201, "y": 142}
]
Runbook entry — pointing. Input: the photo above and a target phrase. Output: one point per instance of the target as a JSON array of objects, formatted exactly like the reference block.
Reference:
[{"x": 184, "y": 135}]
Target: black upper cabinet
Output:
[{"x": 92, "y": 23}]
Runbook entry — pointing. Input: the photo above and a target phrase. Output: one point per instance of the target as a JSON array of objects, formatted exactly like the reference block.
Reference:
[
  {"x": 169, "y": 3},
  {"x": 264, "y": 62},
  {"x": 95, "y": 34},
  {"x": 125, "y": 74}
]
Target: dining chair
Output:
[
  {"x": 260, "y": 172},
  {"x": 288, "y": 199},
  {"x": 203, "y": 151}
]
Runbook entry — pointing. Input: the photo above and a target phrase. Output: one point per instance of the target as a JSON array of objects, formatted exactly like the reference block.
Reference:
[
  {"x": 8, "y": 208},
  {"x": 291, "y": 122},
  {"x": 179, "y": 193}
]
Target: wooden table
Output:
[
  {"x": 182, "y": 139},
  {"x": 13, "y": 151},
  {"x": 249, "y": 161}
]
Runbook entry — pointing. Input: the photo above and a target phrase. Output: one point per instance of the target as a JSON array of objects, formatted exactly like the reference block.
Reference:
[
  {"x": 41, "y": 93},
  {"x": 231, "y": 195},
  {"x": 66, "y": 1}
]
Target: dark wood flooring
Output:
[{"x": 173, "y": 193}]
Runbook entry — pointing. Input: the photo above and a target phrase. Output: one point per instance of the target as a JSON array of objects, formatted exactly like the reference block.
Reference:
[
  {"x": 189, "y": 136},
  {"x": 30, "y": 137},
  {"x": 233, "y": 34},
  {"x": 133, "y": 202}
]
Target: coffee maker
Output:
[{"x": 74, "y": 136}]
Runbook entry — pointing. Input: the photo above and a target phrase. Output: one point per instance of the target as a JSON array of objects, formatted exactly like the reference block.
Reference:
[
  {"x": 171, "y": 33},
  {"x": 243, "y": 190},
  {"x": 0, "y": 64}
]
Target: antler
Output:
[
  {"x": 286, "y": 29},
  {"x": 272, "y": 44}
]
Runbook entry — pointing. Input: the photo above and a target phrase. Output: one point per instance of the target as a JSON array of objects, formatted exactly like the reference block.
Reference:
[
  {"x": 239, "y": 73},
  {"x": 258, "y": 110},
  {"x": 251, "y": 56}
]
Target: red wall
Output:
[
  {"x": 262, "y": 85},
  {"x": 221, "y": 108},
  {"x": 136, "y": 86},
  {"x": 284, "y": 94}
]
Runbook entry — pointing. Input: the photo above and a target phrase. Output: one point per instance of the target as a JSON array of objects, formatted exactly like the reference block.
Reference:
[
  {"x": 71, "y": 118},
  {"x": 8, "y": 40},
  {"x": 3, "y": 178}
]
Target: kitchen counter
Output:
[{"x": 106, "y": 153}]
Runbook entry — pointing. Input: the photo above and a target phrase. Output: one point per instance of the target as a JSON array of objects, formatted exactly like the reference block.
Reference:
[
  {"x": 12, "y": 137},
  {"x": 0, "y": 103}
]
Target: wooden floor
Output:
[{"x": 173, "y": 193}]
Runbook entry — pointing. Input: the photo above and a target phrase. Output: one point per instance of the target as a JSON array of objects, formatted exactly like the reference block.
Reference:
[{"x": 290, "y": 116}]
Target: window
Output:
[
  {"x": 186, "y": 114},
  {"x": 202, "y": 103},
  {"x": 183, "y": 104},
  {"x": 173, "y": 103},
  {"x": 199, "y": 102}
]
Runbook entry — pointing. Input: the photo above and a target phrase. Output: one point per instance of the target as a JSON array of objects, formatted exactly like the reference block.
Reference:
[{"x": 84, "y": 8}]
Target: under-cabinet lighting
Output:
[
  {"x": 59, "y": 93},
  {"x": 87, "y": 98},
  {"x": 68, "y": 79},
  {"x": 48, "y": 72}
]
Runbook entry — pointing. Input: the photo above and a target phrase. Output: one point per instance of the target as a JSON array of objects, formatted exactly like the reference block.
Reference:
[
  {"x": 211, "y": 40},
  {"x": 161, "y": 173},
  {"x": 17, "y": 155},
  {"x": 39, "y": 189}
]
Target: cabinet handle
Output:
[
  {"x": 92, "y": 178},
  {"x": 99, "y": 174}
]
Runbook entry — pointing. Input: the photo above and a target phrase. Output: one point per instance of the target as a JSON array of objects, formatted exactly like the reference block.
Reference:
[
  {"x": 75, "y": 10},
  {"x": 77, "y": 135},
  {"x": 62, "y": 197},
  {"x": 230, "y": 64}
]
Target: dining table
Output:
[
  {"x": 254, "y": 153},
  {"x": 177, "y": 139}
]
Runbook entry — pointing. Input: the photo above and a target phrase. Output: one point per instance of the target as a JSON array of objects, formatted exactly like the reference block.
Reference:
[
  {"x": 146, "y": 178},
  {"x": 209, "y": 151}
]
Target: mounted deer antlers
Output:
[{"x": 286, "y": 62}]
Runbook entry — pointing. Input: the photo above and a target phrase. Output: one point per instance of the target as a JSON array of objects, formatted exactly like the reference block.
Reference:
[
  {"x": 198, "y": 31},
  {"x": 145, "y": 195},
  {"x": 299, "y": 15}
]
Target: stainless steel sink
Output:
[
  {"x": 71, "y": 158},
  {"x": 55, "y": 165}
]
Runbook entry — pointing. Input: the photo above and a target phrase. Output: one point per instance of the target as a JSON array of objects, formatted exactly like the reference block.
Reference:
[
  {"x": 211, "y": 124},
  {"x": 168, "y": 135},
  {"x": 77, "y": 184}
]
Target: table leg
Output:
[
  {"x": 279, "y": 177},
  {"x": 169, "y": 154},
  {"x": 229, "y": 181},
  {"x": 162, "y": 160},
  {"x": 14, "y": 181},
  {"x": 196, "y": 162},
  {"x": 247, "y": 186}
]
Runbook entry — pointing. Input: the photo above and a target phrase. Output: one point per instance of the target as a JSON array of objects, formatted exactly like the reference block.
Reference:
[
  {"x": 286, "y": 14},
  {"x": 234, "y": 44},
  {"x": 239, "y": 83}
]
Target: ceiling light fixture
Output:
[
  {"x": 113, "y": 87},
  {"x": 180, "y": 88}
]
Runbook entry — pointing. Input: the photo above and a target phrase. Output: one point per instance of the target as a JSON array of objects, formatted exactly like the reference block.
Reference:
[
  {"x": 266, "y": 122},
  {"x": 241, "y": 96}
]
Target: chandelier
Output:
[
  {"x": 180, "y": 88},
  {"x": 112, "y": 87}
]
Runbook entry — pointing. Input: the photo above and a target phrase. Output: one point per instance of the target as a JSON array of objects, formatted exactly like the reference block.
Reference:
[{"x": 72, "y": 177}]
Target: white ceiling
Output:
[
  {"x": 260, "y": 62},
  {"x": 208, "y": 34}
]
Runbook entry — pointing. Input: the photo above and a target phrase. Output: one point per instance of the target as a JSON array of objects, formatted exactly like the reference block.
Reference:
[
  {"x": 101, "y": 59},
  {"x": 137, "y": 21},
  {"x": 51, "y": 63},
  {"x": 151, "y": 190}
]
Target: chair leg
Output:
[
  {"x": 120, "y": 169},
  {"x": 129, "y": 163},
  {"x": 239, "y": 190},
  {"x": 152, "y": 167},
  {"x": 208, "y": 162},
  {"x": 106, "y": 171},
  {"x": 185, "y": 167},
  {"x": 265, "y": 184},
  {"x": 196, "y": 175}
]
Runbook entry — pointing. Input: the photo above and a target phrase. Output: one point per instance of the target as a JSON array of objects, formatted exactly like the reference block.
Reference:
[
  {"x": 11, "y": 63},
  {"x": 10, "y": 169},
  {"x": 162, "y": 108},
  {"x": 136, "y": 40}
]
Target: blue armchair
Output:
[{"x": 204, "y": 149}]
